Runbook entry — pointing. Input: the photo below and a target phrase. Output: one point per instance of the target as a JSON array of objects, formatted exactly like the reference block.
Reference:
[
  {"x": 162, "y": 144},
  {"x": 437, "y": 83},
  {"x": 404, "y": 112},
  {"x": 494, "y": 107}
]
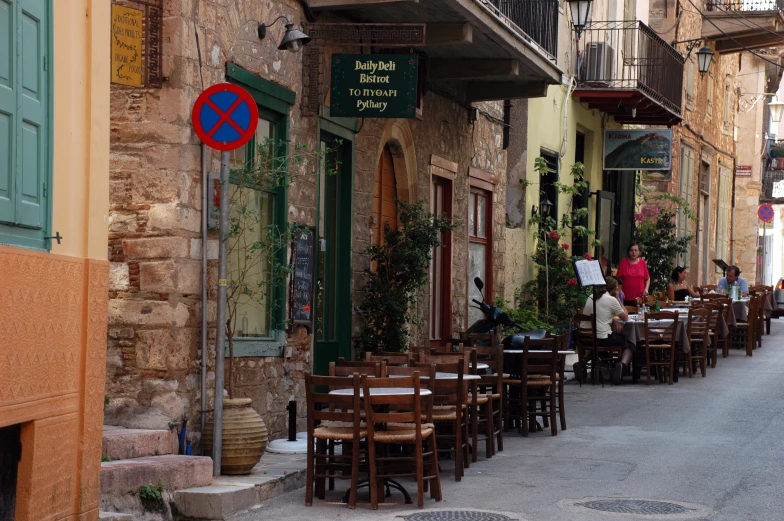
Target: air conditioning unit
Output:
[{"x": 597, "y": 67}]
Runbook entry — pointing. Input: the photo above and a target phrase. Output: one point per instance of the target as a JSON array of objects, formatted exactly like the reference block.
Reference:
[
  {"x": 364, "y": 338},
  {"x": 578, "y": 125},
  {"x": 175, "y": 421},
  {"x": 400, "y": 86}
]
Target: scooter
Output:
[{"x": 494, "y": 318}]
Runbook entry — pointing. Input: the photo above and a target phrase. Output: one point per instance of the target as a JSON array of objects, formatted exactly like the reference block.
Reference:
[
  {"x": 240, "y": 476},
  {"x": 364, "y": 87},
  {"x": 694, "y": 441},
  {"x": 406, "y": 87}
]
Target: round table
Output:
[{"x": 382, "y": 391}]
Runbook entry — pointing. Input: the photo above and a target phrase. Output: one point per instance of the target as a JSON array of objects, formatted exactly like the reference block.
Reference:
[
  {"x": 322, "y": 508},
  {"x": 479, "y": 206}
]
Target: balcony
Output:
[
  {"x": 479, "y": 50},
  {"x": 760, "y": 26},
  {"x": 772, "y": 186},
  {"x": 628, "y": 71}
]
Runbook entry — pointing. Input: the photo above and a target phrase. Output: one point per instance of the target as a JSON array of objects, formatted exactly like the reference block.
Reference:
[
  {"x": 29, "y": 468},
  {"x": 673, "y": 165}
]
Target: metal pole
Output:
[
  {"x": 205, "y": 156},
  {"x": 764, "y": 252},
  {"x": 220, "y": 334}
]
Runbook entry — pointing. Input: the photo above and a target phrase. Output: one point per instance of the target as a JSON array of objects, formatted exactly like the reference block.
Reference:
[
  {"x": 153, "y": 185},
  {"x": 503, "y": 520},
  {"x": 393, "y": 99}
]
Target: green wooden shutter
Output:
[
  {"x": 32, "y": 122},
  {"x": 7, "y": 110}
]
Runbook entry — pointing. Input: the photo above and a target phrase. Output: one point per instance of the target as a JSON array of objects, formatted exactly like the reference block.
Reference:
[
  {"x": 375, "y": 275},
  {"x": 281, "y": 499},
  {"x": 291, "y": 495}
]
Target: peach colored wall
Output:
[{"x": 54, "y": 305}]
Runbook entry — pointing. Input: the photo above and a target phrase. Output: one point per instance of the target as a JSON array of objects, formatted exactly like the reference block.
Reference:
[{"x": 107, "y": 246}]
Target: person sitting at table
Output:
[
  {"x": 608, "y": 327},
  {"x": 634, "y": 272},
  {"x": 619, "y": 294},
  {"x": 733, "y": 277},
  {"x": 678, "y": 289}
]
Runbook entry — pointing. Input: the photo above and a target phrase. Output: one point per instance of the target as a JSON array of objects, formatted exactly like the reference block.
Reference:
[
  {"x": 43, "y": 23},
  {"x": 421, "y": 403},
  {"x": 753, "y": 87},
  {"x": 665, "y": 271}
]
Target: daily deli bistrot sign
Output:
[
  {"x": 374, "y": 85},
  {"x": 127, "y": 45},
  {"x": 649, "y": 149}
]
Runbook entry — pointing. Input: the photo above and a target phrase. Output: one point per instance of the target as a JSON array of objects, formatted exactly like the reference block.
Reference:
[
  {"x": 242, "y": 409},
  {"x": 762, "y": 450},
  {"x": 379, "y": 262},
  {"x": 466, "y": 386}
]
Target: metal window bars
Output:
[{"x": 534, "y": 20}]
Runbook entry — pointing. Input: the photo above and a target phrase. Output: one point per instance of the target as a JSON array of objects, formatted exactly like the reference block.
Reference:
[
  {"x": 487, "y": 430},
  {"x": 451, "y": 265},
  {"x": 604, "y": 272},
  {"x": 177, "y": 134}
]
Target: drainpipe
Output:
[{"x": 204, "y": 214}]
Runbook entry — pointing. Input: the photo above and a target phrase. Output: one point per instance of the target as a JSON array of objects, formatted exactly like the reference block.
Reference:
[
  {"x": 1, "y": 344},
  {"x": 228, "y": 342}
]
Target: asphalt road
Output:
[{"x": 712, "y": 446}]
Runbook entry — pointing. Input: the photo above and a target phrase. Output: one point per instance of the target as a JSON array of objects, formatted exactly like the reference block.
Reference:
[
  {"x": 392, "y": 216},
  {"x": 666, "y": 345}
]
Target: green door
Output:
[{"x": 333, "y": 254}]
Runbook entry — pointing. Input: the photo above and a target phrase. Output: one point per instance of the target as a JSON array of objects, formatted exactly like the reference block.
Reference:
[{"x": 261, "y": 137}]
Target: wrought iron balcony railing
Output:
[
  {"x": 772, "y": 184},
  {"x": 745, "y": 5},
  {"x": 629, "y": 55},
  {"x": 535, "y": 20}
]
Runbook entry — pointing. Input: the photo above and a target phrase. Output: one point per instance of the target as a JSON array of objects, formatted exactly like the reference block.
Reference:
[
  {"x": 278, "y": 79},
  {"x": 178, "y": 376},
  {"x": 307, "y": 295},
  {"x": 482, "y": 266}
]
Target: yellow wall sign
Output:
[{"x": 127, "y": 45}]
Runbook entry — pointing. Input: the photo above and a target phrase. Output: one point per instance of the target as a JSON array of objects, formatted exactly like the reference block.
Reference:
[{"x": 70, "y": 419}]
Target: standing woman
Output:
[
  {"x": 678, "y": 289},
  {"x": 634, "y": 272}
]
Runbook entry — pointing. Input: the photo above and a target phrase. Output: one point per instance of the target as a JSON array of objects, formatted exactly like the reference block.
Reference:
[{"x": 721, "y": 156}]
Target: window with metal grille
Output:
[{"x": 547, "y": 181}]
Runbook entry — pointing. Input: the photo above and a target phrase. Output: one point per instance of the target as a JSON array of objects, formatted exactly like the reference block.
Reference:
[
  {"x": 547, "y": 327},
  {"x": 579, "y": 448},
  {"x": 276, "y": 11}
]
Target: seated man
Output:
[
  {"x": 608, "y": 311},
  {"x": 733, "y": 276}
]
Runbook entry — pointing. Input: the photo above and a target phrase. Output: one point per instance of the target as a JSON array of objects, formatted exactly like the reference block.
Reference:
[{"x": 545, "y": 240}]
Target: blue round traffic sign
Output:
[
  {"x": 765, "y": 212},
  {"x": 225, "y": 116}
]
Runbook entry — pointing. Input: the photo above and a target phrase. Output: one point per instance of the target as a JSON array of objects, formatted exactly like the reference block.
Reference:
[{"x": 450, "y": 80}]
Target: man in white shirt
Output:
[{"x": 609, "y": 329}]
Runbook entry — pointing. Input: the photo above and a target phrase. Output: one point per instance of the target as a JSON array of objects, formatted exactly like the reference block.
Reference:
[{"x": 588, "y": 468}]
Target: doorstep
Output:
[{"x": 274, "y": 475}]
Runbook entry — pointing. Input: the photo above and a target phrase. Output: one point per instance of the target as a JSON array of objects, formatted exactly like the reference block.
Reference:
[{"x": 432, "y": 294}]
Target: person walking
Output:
[{"x": 634, "y": 272}]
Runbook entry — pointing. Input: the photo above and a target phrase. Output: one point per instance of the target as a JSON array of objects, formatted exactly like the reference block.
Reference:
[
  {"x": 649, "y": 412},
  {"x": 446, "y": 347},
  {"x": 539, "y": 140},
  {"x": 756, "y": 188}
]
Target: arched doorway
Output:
[{"x": 384, "y": 195}]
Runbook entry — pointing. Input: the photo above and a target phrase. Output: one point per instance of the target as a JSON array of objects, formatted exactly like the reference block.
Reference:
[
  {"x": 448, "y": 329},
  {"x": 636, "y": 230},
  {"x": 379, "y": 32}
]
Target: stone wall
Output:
[{"x": 153, "y": 372}]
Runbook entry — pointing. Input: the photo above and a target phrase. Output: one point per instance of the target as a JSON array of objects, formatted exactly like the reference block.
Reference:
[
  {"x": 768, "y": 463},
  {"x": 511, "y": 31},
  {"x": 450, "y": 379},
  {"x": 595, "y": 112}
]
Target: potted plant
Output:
[
  {"x": 257, "y": 269},
  {"x": 777, "y": 153}
]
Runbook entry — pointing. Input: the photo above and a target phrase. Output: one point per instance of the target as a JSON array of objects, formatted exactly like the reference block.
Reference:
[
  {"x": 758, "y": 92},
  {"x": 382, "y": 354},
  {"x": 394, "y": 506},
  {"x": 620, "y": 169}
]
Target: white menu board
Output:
[{"x": 589, "y": 273}]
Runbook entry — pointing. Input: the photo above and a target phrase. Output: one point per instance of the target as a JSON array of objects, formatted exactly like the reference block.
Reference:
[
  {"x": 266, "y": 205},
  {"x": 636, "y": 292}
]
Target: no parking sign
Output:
[
  {"x": 765, "y": 212},
  {"x": 225, "y": 116}
]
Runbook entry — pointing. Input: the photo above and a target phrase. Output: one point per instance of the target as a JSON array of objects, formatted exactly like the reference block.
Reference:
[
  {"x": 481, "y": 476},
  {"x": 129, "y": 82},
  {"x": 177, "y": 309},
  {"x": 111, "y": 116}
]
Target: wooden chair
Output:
[
  {"x": 712, "y": 296},
  {"x": 707, "y": 288},
  {"x": 562, "y": 344},
  {"x": 767, "y": 292},
  {"x": 344, "y": 368},
  {"x": 343, "y": 412},
  {"x": 391, "y": 358},
  {"x": 427, "y": 374},
  {"x": 648, "y": 300},
  {"x": 745, "y": 333},
  {"x": 449, "y": 414},
  {"x": 697, "y": 330},
  {"x": 716, "y": 309},
  {"x": 583, "y": 326},
  {"x": 631, "y": 309},
  {"x": 539, "y": 374},
  {"x": 404, "y": 411},
  {"x": 492, "y": 386},
  {"x": 660, "y": 342}
]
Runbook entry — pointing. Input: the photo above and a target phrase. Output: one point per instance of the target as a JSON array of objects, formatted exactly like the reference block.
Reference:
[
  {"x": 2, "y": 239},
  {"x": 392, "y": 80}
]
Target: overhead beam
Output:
[
  {"x": 758, "y": 41},
  {"x": 502, "y": 90},
  {"x": 472, "y": 69},
  {"x": 318, "y": 5},
  {"x": 447, "y": 34}
]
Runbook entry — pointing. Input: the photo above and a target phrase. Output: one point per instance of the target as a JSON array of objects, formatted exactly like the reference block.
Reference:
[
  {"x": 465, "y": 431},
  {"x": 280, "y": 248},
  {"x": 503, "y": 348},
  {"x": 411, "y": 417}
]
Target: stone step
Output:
[
  {"x": 114, "y": 516},
  {"x": 214, "y": 502},
  {"x": 174, "y": 472},
  {"x": 120, "y": 443}
]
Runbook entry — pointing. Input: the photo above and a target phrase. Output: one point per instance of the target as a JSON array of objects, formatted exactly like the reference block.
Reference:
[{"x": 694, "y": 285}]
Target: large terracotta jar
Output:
[{"x": 244, "y": 437}]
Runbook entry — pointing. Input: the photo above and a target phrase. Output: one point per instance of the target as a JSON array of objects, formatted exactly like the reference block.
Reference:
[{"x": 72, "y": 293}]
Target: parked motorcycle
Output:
[{"x": 495, "y": 317}]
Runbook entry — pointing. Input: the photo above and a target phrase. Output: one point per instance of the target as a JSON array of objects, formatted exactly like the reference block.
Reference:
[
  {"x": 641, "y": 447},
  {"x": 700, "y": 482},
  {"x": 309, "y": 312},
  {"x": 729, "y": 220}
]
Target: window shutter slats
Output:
[{"x": 8, "y": 111}]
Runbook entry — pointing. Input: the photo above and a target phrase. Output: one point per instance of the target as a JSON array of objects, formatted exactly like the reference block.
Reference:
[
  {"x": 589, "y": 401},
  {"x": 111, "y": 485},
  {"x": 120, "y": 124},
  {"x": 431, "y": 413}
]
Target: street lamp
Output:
[
  {"x": 581, "y": 14},
  {"x": 704, "y": 57},
  {"x": 545, "y": 207},
  {"x": 776, "y": 109},
  {"x": 293, "y": 39}
]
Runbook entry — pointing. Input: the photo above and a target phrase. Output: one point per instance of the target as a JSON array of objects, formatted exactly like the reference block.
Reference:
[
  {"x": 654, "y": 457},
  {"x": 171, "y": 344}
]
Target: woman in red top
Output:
[{"x": 634, "y": 272}]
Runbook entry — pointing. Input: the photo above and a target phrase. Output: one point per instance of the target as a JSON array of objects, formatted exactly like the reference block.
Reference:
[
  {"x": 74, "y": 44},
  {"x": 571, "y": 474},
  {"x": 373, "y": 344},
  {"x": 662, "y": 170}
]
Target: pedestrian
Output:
[
  {"x": 678, "y": 289},
  {"x": 634, "y": 272}
]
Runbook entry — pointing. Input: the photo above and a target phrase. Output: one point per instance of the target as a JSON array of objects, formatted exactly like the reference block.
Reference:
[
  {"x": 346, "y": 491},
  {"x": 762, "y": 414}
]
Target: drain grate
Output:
[
  {"x": 457, "y": 515},
  {"x": 635, "y": 506}
]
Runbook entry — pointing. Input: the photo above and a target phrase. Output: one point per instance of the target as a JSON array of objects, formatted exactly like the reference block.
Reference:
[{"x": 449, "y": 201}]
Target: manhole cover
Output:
[
  {"x": 457, "y": 515},
  {"x": 635, "y": 506}
]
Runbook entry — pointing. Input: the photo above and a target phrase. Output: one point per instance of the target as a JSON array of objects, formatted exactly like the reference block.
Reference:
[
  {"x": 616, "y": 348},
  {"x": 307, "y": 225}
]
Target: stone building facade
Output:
[{"x": 154, "y": 340}]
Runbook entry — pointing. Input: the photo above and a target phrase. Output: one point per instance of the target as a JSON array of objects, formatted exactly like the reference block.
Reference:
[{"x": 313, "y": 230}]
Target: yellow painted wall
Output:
[
  {"x": 81, "y": 127},
  {"x": 54, "y": 306},
  {"x": 545, "y": 130}
]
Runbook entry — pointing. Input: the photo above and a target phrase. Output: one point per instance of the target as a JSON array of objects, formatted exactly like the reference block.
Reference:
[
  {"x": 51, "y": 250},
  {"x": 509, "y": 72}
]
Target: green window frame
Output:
[
  {"x": 26, "y": 123},
  {"x": 274, "y": 103}
]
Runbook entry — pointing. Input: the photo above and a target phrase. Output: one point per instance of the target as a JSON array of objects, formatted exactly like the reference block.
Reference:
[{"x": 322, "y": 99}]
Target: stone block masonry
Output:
[{"x": 153, "y": 372}]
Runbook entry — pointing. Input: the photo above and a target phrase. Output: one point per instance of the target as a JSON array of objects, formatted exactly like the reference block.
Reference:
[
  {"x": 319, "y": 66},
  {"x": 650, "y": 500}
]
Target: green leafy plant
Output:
[
  {"x": 554, "y": 294},
  {"x": 152, "y": 493},
  {"x": 257, "y": 266},
  {"x": 777, "y": 150},
  {"x": 527, "y": 318},
  {"x": 400, "y": 266},
  {"x": 657, "y": 235},
  {"x": 105, "y": 458}
]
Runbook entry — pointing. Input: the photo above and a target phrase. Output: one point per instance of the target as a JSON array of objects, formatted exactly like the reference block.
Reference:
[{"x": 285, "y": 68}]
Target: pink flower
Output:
[
  {"x": 588, "y": 256},
  {"x": 571, "y": 282},
  {"x": 554, "y": 235},
  {"x": 565, "y": 246},
  {"x": 639, "y": 217}
]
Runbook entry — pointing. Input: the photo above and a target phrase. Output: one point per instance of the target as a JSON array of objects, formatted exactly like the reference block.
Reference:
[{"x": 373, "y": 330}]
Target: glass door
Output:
[{"x": 333, "y": 254}]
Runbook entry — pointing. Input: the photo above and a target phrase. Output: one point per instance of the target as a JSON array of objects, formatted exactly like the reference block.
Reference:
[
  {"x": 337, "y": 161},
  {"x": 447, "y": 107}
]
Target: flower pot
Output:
[
  {"x": 780, "y": 162},
  {"x": 244, "y": 437}
]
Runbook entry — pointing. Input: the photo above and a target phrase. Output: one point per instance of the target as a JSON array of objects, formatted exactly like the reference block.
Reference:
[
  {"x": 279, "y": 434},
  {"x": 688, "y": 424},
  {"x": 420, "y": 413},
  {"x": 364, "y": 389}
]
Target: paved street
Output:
[{"x": 712, "y": 445}]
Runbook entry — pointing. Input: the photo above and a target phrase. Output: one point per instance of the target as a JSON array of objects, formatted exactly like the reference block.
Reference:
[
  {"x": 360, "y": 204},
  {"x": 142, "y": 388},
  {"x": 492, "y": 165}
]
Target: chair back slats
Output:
[
  {"x": 448, "y": 392},
  {"x": 448, "y": 358},
  {"x": 346, "y": 368},
  {"x": 391, "y": 358},
  {"x": 427, "y": 376},
  {"x": 661, "y": 327},
  {"x": 706, "y": 288},
  {"x": 403, "y": 408},
  {"x": 542, "y": 364},
  {"x": 338, "y": 408},
  {"x": 481, "y": 339},
  {"x": 699, "y": 324}
]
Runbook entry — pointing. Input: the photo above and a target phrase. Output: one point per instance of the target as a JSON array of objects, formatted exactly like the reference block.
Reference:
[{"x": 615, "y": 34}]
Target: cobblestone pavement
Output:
[{"x": 710, "y": 447}]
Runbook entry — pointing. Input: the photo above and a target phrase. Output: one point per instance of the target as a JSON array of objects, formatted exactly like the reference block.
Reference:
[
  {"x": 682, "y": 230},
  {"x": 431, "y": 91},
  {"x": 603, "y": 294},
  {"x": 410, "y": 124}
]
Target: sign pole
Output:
[
  {"x": 764, "y": 251},
  {"x": 220, "y": 333}
]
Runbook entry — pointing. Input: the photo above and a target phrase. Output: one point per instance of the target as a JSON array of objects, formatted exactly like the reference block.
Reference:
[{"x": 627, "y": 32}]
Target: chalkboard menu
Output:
[{"x": 301, "y": 296}]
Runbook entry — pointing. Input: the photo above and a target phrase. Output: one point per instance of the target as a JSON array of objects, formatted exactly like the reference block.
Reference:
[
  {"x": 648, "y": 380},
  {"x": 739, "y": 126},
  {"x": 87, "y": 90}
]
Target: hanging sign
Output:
[
  {"x": 225, "y": 116},
  {"x": 649, "y": 149},
  {"x": 301, "y": 293},
  {"x": 743, "y": 170},
  {"x": 765, "y": 213},
  {"x": 374, "y": 85},
  {"x": 127, "y": 45}
]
